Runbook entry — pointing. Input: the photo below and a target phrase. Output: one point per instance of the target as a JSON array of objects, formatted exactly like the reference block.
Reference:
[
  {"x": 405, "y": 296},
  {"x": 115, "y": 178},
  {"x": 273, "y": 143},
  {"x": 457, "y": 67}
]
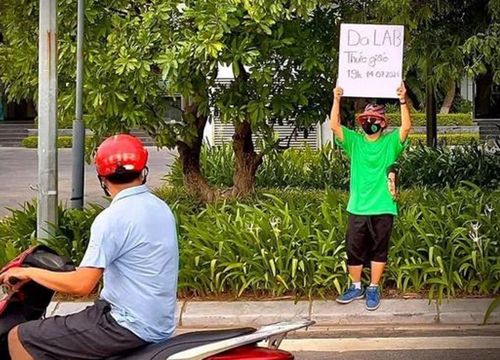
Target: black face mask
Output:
[{"x": 370, "y": 127}]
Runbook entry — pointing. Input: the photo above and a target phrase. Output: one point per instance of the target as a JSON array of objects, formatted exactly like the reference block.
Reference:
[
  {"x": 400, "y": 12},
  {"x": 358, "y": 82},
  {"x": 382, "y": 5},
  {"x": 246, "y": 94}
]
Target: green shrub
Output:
[
  {"x": 419, "y": 119},
  {"x": 304, "y": 168},
  {"x": 18, "y": 231},
  {"x": 329, "y": 167},
  {"x": 292, "y": 242},
  {"x": 30, "y": 142},
  {"x": 436, "y": 168},
  {"x": 461, "y": 105},
  {"x": 62, "y": 142}
]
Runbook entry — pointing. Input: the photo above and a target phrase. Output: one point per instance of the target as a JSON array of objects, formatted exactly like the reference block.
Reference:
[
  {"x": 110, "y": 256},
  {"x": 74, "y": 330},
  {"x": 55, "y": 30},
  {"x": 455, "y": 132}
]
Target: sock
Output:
[
  {"x": 372, "y": 284},
  {"x": 357, "y": 285}
]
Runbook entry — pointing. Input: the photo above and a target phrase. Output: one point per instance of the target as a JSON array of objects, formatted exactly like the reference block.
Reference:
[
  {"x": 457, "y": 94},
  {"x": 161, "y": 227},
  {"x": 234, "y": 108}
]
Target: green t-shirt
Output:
[{"x": 370, "y": 161}]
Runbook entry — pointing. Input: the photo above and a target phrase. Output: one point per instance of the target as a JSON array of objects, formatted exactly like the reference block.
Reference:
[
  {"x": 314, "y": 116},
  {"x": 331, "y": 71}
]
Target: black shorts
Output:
[
  {"x": 368, "y": 238},
  {"x": 89, "y": 334}
]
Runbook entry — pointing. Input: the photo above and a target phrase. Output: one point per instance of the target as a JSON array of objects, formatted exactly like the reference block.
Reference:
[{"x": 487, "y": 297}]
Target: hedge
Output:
[
  {"x": 291, "y": 242},
  {"x": 329, "y": 167},
  {"x": 419, "y": 119},
  {"x": 63, "y": 142}
]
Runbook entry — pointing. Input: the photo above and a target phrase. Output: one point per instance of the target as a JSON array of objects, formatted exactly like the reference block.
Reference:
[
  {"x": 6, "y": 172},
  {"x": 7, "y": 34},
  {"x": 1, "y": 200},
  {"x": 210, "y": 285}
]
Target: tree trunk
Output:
[
  {"x": 247, "y": 160},
  {"x": 430, "y": 108},
  {"x": 448, "y": 99},
  {"x": 430, "y": 111},
  {"x": 194, "y": 181}
]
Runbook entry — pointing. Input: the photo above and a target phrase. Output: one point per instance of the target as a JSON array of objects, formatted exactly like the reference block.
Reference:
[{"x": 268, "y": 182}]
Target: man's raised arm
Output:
[{"x": 335, "y": 114}]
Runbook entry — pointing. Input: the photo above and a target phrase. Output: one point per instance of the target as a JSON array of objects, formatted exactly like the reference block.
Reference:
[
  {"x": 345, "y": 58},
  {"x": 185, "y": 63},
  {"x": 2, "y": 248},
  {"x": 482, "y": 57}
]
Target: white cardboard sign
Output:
[{"x": 370, "y": 60}]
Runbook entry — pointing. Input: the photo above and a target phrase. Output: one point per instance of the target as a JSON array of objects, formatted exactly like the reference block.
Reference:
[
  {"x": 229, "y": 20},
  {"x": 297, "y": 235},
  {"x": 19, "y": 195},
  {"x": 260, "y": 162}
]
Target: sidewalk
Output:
[{"x": 392, "y": 312}]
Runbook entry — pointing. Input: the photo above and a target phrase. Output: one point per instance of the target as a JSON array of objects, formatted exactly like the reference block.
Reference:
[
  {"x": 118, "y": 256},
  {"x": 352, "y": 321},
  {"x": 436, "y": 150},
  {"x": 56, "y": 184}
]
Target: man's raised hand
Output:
[
  {"x": 337, "y": 93},
  {"x": 401, "y": 92}
]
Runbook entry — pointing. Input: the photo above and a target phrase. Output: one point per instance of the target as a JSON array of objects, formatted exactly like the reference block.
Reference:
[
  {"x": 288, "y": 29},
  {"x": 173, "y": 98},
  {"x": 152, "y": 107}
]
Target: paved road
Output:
[
  {"x": 397, "y": 348},
  {"x": 18, "y": 176},
  {"x": 450, "y": 354}
]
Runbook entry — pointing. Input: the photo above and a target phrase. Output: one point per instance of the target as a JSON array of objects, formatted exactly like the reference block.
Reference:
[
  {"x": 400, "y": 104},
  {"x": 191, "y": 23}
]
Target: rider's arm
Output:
[{"x": 79, "y": 282}]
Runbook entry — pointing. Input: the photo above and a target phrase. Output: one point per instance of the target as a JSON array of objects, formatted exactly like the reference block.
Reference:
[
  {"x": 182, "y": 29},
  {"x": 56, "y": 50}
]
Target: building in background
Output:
[{"x": 218, "y": 133}]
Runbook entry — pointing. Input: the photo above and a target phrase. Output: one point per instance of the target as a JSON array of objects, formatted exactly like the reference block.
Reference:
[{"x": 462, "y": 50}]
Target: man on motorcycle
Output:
[{"x": 133, "y": 245}]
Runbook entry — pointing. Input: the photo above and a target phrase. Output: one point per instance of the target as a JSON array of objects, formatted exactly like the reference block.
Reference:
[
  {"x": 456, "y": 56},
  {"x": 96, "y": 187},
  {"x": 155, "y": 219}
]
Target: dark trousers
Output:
[{"x": 368, "y": 238}]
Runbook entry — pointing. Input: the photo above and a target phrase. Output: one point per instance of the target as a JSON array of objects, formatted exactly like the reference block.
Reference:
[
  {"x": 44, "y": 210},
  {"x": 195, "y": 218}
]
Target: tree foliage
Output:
[
  {"x": 483, "y": 49},
  {"x": 139, "y": 53},
  {"x": 436, "y": 32}
]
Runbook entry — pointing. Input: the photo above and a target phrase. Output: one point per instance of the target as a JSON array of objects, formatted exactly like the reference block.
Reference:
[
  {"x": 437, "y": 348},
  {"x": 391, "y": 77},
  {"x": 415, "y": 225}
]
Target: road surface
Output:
[{"x": 19, "y": 176}]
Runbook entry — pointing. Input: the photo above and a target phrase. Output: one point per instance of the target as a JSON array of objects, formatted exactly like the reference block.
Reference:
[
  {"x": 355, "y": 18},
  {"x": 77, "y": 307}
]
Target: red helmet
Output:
[{"x": 120, "y": 151}]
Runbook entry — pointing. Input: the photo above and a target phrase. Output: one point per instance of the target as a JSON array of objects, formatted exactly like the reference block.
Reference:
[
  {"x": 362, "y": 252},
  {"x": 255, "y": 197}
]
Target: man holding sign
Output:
[{"x": 371, "y": 206}]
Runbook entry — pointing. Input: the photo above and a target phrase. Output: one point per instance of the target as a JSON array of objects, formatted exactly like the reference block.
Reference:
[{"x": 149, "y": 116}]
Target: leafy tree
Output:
[
  {"x": 483, "y": 49},
  {"x": 436, "y": 33},
  {"x": 282, "y": 56},
  {"x": 290, "y": 81},
  {"x": 483, "y": 62},
  {"x": 139, "y": 52}
]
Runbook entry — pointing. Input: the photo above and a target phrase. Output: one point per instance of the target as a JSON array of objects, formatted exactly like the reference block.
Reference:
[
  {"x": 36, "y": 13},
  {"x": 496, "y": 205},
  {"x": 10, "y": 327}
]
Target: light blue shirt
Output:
[{"x": 135, "y": 241}]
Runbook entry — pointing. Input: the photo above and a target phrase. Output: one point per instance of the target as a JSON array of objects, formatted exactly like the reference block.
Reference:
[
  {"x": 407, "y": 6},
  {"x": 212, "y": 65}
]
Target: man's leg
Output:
[
  {"x": 381, "y": 229},
  {"x": 16, "y": 349},
  {"x": 355, "y": 272},
  {"x": 357, "y": 252},
  {"x": 377, "y": 270}
]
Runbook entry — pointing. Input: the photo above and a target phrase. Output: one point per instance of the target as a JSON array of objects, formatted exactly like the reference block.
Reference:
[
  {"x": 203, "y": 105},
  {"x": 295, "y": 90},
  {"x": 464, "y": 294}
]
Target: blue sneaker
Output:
[
  {"x": 351, "y": 294},
  {"x": 372, "y": 298}
]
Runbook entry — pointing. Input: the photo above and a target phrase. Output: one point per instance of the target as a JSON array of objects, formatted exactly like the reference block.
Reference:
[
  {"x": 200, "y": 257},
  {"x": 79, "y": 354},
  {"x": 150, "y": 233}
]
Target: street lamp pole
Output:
[
  {"x": 47, "y": 118},
  {"x": 78, "y": 174}
]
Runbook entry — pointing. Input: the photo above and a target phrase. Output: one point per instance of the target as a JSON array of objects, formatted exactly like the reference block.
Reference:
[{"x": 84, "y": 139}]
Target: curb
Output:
[{"x": 213, "y": 314}]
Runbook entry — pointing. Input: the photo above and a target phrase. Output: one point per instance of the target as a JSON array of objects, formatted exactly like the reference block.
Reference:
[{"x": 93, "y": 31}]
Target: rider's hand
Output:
[
  {"x": 337, "y": 93},
  {"x": 401, "y": 92},
  {"x": 18, "y": 273}
]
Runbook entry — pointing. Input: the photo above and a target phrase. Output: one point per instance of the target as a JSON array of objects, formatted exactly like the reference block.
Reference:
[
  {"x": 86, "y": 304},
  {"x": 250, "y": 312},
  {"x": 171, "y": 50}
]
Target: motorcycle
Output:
[{"x": 22, "y": 301}]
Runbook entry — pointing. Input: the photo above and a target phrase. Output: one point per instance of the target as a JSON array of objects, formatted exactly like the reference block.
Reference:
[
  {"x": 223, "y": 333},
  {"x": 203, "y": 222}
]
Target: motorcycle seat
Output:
[{"x": 161, "y": 351}]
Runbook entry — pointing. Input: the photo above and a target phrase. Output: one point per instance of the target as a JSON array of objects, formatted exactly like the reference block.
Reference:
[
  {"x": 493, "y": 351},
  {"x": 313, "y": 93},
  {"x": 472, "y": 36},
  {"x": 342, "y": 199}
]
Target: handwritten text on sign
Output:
[{"x": 370, "y": 60}]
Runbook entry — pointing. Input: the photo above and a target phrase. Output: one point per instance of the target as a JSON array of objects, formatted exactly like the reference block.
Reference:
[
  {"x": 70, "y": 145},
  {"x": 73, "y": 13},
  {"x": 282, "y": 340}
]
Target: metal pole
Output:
[
  {"x": 47, "y": 118},
  {"x": 78, "y": 174}
]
